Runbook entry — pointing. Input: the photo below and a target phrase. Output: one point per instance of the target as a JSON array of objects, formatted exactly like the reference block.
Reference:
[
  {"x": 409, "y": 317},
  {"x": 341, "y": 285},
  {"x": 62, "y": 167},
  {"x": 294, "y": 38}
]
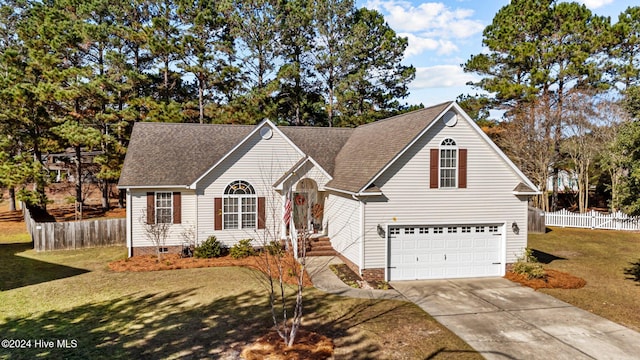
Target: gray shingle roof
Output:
[
  {"x": 176, "y": 154},
  {"x": 321, "y": 144},
  {"x": 371, "y": 147},
  {"x": 162, "y": 154}
]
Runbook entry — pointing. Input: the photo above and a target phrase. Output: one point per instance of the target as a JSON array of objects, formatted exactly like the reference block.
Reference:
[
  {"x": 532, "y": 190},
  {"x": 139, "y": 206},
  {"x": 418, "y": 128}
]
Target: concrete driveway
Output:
[{"x": 503, "y": 320}]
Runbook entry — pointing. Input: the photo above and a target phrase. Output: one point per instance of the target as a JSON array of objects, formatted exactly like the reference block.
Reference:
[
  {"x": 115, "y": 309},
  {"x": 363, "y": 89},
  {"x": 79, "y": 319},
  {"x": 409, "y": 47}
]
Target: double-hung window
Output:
[
  {"x": 164, "y": 207},
  {"x": 448, "y": 164},
  {"x": 239, "y": 206}
]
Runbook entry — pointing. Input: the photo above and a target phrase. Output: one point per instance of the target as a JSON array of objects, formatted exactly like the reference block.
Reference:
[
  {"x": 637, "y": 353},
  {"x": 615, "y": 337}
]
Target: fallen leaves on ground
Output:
[
  {"x": 174, "y": 261},
  {"x": 554, "y": 280}
]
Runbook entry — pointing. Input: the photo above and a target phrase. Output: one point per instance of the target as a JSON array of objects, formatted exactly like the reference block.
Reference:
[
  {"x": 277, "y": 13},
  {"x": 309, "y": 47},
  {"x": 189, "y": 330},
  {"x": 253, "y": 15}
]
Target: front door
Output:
[{"x": 308, "y": 206}]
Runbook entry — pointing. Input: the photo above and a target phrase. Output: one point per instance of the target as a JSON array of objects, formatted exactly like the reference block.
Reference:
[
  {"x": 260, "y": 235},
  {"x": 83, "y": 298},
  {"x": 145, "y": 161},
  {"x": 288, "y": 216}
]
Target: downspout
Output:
[
  {"x": 129, "y": 224},
  {"x": 197, "y": 218}
]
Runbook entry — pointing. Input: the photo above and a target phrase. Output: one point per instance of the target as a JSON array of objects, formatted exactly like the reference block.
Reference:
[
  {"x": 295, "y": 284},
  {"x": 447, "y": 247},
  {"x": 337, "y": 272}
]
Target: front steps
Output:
[{"x": 319, "y": 246}]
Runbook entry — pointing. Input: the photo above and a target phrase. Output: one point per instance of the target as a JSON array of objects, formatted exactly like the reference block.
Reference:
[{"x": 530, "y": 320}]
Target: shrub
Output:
[
  {"x": 633, "y": 271},
  {"x": 210, "y": 248},
  {"x": 274, "y": 248},
  {"x": 528, "y": 265},
  {"x": 242, "y": 249}
]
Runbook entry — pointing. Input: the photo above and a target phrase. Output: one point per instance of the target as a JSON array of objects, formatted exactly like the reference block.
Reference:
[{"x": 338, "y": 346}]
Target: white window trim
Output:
[
  {"x": 455, "y": 169},
  {"x": 238, "y": 199},
  {"x": 156, "y": 207}
]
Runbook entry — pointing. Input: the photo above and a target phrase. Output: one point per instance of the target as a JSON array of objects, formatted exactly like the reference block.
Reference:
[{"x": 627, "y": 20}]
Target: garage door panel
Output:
[{"x": 437, "y": 252}]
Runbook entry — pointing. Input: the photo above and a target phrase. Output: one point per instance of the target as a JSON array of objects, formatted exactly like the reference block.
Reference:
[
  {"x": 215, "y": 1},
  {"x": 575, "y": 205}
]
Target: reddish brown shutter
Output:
[
  {"x": 217, "y": 216},
  {"x": 177, "y": 208},
  {"x": 151, "y": 208},
  {"x": 261, "y": 213},
  {"x": 434, "y": 179},
  {"x": 462, "y": 168}
]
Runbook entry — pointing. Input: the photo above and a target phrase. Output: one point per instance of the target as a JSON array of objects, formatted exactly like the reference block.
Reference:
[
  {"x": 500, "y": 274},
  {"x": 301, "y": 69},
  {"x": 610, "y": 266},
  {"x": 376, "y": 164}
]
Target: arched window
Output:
[
  {"x": 448, "y": 163},
  {"x": 240, "y": 206}
]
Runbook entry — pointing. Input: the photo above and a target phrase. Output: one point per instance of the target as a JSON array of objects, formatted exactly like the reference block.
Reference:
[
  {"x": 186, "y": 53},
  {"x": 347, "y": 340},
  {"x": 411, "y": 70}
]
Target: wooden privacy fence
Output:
[
  {"x": 592, "y": 220},
  {"x": 535, "y": 221},
  {"x": 75, "y": 235}
]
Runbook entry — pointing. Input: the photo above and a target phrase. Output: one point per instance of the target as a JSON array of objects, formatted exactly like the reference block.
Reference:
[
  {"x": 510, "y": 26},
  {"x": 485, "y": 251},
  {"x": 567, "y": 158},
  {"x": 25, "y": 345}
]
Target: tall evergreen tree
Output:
[
  {"x": 375, "y": 78},
  {"x": 540, "y": 51},
  {"x": 208, "y": 46},
  {"x": 332, "y": 24}
]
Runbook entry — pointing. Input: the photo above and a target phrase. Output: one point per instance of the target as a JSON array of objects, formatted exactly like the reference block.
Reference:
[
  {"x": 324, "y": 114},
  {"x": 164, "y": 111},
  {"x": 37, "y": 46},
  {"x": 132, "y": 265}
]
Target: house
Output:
[
  {"x": 422, "y": 195},
  {"x": 567, "y": 181}
]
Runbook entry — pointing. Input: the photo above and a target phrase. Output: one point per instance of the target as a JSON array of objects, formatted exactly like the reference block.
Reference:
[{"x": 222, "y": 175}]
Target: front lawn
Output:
[
  {"x": 599, "y": 257},
  {"x": 192, "y": 313}
]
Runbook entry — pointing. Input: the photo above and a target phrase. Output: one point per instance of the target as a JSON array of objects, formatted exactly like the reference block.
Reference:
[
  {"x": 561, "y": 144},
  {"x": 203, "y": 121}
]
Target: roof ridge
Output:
[
  {"x": 395, "y": 117},
  {"x": 193, "y": 124},
  {"x": 314, "y": 127}
]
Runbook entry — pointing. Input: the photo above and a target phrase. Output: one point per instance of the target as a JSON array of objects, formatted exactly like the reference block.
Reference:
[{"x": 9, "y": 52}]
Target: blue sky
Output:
[{"x": 444, "y": 34}]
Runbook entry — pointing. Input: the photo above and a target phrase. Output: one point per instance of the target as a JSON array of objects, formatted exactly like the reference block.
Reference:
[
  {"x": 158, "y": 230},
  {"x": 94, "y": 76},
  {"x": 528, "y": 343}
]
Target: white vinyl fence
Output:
[{"x": 592, "y": 220}]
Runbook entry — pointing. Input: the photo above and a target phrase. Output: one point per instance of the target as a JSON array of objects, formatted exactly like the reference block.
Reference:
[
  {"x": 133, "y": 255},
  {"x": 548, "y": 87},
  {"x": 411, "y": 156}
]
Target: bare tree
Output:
[
  {"x": 528, "y": 141},
  {"x": 612, "y": 116},
  {"x": 155, "y": 231},
  {"x": 583, "y": 142},
  {"x": 280, "y": 262}
]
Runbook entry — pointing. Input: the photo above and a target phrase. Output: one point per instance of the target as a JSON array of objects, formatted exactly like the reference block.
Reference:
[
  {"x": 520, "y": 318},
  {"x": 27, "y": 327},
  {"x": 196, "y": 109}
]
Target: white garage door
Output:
[{"x": 440, "y": 252}]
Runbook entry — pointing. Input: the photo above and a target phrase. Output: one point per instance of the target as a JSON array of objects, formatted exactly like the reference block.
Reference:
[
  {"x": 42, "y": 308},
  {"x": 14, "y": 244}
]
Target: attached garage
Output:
[{"x": 445, "y": 251}]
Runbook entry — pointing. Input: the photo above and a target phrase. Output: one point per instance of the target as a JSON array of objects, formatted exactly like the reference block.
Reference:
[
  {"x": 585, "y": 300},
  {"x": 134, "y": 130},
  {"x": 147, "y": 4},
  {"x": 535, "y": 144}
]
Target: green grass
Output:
[
  {"x": 599, "y": 257},
  {"x": 13, "y": 232},
  {"x": 194, "y": 313}
]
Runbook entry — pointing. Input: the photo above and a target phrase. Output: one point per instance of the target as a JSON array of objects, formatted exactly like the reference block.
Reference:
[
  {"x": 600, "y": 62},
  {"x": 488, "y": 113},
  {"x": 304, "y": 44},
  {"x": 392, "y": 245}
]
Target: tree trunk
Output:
[
  {"x": 121, "y": 196},
  {"x": 105, "y": 195},
  {"x": 78, "y": 162},
  {"x": 39, "y": 186},
  {"x": 554, "y": 189},
  {"x": 12, "y": 199},
  {"x": 201, "y": 98}
]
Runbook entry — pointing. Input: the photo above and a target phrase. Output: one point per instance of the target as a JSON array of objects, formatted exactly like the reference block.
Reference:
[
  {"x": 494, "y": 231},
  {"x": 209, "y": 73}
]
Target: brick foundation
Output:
[
  {"x": 509, "y": 267},
  {"x": 152, "y": 250},
  {"x": 373, "y": 274}
]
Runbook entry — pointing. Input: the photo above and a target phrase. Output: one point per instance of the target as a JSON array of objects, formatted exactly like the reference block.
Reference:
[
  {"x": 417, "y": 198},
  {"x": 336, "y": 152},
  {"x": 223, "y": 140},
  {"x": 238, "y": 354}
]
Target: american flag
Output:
[{"x": 287, "y": 209}]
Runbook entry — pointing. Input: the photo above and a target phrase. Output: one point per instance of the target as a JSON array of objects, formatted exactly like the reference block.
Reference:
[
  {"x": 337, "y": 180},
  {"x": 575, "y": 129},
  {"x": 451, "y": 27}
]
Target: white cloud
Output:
[
  {"x": 594, "y": 4},
  {"x": 430, "y": 18},
  {"x": 441, "y": 76},
  {"x": 417, "y": 45},
  {"x": 429, "y": 26}
]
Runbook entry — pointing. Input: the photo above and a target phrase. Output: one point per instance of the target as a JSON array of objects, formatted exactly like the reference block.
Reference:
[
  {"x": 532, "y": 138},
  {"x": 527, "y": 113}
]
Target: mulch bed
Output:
[
  {"x": 174, "y": 261},
  {"x": 349, "y": 277},
  {"x": 308, "y": 345},
  {"x": 554, "y": 280}
]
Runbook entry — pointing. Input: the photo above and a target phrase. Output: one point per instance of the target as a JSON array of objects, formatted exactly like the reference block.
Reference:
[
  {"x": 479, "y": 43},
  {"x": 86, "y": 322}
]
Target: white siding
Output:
[
  {"x": 408, "y": 199},
  {"x": 342, "y": 216},
  {"x": 261, "y": 163},
  {"x": 138, "y": 216}
]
